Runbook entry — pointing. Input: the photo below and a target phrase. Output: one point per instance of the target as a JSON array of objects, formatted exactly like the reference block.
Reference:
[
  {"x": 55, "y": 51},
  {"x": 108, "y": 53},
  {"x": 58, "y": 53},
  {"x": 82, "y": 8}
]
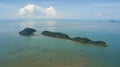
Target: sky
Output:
[{"x": 77, "y": 9}]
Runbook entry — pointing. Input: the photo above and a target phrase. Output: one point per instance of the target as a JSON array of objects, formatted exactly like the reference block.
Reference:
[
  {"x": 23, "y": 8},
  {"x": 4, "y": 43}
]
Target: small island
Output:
[
  {"x": 27, "y": 32},
  {"x": 76, "y": 39}
]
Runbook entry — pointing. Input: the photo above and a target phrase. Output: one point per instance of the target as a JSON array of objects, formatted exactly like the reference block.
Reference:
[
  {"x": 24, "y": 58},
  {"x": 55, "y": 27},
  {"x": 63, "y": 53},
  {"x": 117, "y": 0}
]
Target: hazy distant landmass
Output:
[{"x": 117, "y": 21}]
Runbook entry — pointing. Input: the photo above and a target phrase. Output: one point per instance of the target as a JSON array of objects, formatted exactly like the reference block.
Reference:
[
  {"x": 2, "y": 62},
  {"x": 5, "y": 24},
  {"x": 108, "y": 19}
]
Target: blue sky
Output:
[{"x": 79, "y": 9}]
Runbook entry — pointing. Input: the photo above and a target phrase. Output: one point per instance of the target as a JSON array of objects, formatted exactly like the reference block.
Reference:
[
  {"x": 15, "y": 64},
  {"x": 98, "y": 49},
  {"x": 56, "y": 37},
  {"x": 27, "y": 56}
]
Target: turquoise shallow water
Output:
[{"x": 42, "y": 51}]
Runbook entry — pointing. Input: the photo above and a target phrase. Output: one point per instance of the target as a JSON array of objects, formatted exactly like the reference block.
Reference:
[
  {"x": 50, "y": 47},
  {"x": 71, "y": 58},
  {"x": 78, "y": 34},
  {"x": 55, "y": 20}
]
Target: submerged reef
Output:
[
  {"x": 27, "y": 32},
  {"x": 76, "y": 39}
]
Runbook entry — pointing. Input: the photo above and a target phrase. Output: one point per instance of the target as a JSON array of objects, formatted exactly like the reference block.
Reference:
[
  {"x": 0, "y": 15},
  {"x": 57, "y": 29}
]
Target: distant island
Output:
[
  {"x": 76, "y": 39},
  {"x": 115, "y": 21}
]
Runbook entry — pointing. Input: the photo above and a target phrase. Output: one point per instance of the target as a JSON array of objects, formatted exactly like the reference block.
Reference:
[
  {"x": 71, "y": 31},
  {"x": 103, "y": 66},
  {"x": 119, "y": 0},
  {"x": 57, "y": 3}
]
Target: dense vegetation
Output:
[
  {"x": 27, "y": 32},
  {"x": 76, "y": 39}
]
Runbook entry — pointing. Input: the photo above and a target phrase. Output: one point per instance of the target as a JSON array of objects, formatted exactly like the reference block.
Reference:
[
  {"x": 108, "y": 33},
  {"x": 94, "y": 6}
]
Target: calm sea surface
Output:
[{"x": 42, "y": 51}]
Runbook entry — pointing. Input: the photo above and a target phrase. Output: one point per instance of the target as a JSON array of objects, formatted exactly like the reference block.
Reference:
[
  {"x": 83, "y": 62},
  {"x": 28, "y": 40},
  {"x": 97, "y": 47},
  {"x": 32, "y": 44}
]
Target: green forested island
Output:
[
  {"x": 27, "y": 32},
  {"x": 76, "y": 39}
]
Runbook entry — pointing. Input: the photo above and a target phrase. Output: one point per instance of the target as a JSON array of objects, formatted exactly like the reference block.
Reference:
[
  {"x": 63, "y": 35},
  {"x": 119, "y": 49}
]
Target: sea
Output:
[{"x": 43, "y": 51}]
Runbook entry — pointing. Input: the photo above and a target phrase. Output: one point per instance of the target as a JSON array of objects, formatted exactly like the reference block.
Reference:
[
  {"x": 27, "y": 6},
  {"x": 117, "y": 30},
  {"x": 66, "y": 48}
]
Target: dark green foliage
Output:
[
  {"x": 82, "y": 40},
  {"x": 76, "y": 39},
  {"x": 27, "y": 32},
  {"x": 55, "y": 34},
  {"x": 88, "y": 41},
  {"x": 100, "y": 43}
]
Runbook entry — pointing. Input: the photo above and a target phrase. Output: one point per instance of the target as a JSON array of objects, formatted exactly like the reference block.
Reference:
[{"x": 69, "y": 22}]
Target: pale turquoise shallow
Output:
[{"x": 42, "y": 51}]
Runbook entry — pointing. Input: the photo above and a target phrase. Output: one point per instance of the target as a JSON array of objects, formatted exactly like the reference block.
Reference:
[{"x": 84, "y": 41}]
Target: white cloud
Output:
[
  {"x": 50, "y": 11},
  {"x": 32, "y": 10}
]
